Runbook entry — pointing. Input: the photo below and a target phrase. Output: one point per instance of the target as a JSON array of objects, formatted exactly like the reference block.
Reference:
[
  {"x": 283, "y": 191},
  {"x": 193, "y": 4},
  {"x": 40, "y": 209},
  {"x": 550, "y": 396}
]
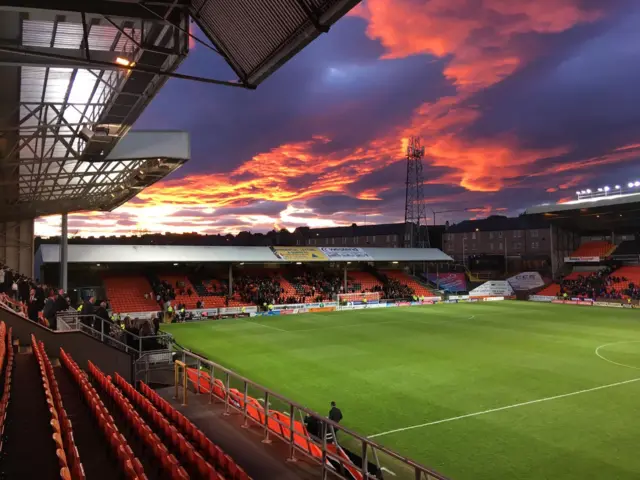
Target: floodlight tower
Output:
[{"x": 415, "y": 212}]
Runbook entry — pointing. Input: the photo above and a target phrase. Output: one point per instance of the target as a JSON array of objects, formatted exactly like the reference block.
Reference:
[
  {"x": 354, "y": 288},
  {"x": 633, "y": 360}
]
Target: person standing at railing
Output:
[
  {"x": 49, "y": 311},
  {"x": 33, "y": 306}
]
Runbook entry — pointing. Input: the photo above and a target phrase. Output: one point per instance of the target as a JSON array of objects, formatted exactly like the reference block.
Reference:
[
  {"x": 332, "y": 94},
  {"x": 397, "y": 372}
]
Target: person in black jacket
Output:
[
  {"x": 88, "y": 309},
  {"x": 33, "y": 307},
  {"x": 102, "y": 322},
  {"x": 61, "y": 302},
  {"x": 49, "y": 311},
  {"x": 335, "y": 413}
]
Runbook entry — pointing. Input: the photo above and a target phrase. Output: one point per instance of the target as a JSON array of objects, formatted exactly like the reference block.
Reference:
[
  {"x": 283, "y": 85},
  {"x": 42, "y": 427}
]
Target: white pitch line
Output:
[
  {"x": 508, "y": 407},
  {"x": 611, "y": 361},
  {"x": 267, "y": 326}
]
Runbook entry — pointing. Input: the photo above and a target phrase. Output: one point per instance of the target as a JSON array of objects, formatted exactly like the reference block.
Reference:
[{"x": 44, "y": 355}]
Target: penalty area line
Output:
[{"x": 508, "y": 407}]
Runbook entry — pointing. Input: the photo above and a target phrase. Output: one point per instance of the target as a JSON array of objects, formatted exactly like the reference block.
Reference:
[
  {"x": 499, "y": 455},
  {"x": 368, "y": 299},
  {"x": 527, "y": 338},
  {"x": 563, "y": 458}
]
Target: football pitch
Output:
[{"x": 496, "y": 390}]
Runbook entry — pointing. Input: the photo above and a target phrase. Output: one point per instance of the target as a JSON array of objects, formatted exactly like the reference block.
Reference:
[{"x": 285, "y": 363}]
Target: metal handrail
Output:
[
  {"x": 74, "y": 321},
  {"x": 419, "y": 471}
]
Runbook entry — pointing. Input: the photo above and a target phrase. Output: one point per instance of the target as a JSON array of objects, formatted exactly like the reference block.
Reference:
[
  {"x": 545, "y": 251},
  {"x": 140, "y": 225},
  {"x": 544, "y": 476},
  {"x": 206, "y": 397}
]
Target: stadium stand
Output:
[
  {"x": 180, "y": 286},
  {"x": 598, "y": 248},
  {"x": 406, "y": 279},
  {"x": 552, "y": 290},
  {"x": 626, "y": 280},
  {"x": 127, "y": 294},
  {"x": 363, "y": 282}
]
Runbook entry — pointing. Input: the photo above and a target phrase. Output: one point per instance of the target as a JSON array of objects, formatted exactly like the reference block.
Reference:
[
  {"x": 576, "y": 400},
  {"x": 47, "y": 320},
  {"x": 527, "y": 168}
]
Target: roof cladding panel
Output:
[{"x": 259, "y": 36}]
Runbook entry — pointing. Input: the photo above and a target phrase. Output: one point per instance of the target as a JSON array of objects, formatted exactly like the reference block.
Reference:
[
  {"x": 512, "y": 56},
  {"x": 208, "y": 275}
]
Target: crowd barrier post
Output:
[
  {"x": 180, "y": 364},
  {"x": 198, "y": 376},
  {"x": 266, "y": 438},
  {"x": 226, "y": 397},
  {"x": 292, "y": 434},
  {"x": 212, "y": 382},
  {"x": 244, "y": 409}
]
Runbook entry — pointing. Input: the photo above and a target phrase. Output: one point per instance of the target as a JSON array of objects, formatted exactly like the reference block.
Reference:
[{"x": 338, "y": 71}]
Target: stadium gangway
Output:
[
  {"x": 127, "y": 341},
  {"x": 227, "y": 380}
]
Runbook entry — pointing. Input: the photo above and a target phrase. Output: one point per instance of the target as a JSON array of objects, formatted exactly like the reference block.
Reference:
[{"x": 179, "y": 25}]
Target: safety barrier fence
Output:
[
  {"x": 112, "y": 334},
  {"x": 307, "y": 433}
]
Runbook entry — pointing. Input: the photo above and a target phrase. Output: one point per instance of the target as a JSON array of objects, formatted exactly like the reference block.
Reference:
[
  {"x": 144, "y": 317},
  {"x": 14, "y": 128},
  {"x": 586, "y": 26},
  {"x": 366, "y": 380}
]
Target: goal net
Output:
[{"x": 363, "y": 297}]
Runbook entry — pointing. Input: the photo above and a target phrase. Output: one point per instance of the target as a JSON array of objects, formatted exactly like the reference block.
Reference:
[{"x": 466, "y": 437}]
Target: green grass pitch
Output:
[{"x": 391, "y": 369}]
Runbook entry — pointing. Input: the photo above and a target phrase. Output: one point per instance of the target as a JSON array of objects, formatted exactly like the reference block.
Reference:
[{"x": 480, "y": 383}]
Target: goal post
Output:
[{"x": 362, "y": 297}]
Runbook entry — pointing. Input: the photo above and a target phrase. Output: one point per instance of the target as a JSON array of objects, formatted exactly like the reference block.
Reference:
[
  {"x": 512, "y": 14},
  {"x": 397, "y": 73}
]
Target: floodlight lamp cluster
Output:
[{"x": 606, "y": 190}]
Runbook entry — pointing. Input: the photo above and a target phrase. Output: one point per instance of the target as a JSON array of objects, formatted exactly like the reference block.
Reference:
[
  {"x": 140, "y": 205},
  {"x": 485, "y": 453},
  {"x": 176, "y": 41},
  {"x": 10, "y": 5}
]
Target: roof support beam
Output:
[
  {"x": 70, "y": 61},
  {"x": 128, "y": 10}
]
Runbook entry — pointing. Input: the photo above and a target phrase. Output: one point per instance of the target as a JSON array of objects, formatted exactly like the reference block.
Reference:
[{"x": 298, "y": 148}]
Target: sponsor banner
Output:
[
  {"x": 431, "y": 299},
  {"x": 428, "y": 302},
  {"x": 581, "y": 259},
  {"x": 458, "y": 297},
  {"x": 360, "y": 307},
  {"x": 542, "y": 298},
  {"x": 289, "y": 311},
  {"x": 235, "y": 310},
  {"x": 627, "y": 305},
  {"x": 492, "y": 288},
  {"x": 492, "y": 299},
  {"x": 289, "y": 306},
  {"x": 583, "y": 300},
  {"x": 450, "y": 282},
  {"x": 323, "y": 309},
  {"x": 607, "y": 304},
  {"x": 470, "y": 300},
  {"x": 526, "y": 281},
  {"x": 345, "y": 253},
  {"x": 557, "y": 300},
  {"x": 403, "y": 304},
  {"x": 300, "y": 254}
]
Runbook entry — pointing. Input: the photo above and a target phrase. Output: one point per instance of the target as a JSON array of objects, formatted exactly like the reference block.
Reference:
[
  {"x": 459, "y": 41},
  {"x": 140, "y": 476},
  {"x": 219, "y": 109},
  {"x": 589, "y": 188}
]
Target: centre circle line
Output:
[{"x": 611, "y": 361}]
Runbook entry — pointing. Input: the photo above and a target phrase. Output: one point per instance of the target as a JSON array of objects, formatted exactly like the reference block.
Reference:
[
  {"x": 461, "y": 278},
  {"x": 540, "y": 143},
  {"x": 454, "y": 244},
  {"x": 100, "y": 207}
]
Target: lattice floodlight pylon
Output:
[{"x": 415, "y": 216}]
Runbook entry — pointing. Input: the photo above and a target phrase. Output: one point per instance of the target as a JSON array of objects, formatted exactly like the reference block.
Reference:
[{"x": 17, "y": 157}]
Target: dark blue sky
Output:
[{"x": 516, "y": 103}]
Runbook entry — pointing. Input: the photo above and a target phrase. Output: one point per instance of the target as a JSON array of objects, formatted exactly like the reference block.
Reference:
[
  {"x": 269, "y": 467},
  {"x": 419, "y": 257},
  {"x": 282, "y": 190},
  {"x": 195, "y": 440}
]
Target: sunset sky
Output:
[{"x": 517, "y": 102}]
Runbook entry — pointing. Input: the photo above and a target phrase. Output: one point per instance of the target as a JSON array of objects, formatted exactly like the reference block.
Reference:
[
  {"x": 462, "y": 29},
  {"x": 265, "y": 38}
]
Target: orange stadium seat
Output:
[
  {"x": 405, "y": 279},
  {"x": 552, "y": 290},
  {"x": 362, "y": 281},
  {"x": 126, "y": 294},
  {"x": 632, "y": 275},
  {"x": 598, "y": 248}
]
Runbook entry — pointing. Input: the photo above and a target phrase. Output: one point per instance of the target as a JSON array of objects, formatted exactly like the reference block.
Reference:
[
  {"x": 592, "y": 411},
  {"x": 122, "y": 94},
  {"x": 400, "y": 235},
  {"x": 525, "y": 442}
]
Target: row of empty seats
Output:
[
  {"x": 66, "y": 450},
  {"x": 168, "y": 465},
  {"x": 129, "y": 465},
  {"x": 6, "y": 365},
  {"x": 127, "y": 294},
  {"x": 206, "y": 447},
  {"x": 190, "y": 457}
]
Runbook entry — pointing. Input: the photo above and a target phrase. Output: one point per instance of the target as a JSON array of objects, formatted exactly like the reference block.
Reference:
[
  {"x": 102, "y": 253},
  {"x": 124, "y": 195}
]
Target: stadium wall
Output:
[{"x": 16, "y": 246}]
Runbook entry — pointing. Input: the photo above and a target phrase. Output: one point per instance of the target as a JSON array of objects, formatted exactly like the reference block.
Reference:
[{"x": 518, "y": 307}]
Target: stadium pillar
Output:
[
  {"x": 345, "y": 278},
  {"x": 64, "y": 252},
  {"x": 230, "y": 280}
]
